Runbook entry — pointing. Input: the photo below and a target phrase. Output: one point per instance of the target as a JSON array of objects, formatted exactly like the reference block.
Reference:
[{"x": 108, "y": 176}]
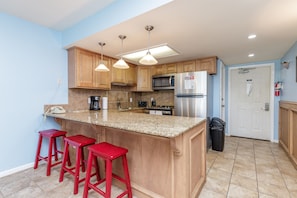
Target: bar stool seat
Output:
[
  {"x": 79, "y": 142},
  {"x": 52, "y": 135},
  {"x": 108, "y": 153}
]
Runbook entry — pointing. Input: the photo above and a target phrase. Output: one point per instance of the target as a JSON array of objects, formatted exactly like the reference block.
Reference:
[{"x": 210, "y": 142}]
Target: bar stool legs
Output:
[
  {"x": 52, "y": 135},
  {"x": 108, "y": 152},
  {"x": 79, "y": 142}
]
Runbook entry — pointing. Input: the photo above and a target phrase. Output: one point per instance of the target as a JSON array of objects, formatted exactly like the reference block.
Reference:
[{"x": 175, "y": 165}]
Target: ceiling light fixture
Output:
[
  {"x": 158, "y": 51},
  {"x": 251, "y": 55},
  {"x": 121, "y": 64},
  {"x": 148, "y": 59},
  {"x": 101, "y": 67},
  {"x": 252, "y": 36}
]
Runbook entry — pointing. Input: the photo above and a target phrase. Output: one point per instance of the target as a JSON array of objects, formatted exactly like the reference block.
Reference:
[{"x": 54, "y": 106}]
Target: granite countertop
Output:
[{"x": 165, "y": 126}]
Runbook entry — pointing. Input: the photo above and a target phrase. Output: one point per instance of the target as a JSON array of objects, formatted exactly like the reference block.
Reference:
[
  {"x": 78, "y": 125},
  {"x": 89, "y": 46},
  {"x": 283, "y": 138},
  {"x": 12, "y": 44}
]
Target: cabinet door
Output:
[
  {"x": 84, "y": 68},
  {"x": 187, "y": 66},
  {"x": 207, "y": 64},
  {"x": 131, "y": 75},
  {"x": 157, "y": 70},
  {"x": 101, "y": 80},
  {"x": 294, "y": 136},
  {"x": 170, "y": 68},
  {"x": 117, "y": 75},
  {"x": 284, "y": 128},
  {"x": 144, "y": 78}
]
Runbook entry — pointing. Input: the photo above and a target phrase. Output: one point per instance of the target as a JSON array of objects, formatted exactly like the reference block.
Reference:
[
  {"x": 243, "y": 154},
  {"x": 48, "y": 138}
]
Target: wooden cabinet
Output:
[
  {"x": 81, "y": 70},
  {"x": 123, "y": 76},
  {"x": 288, "y": 129},
  {"x": 157, "y": 70},
  {"x": 131, "y": 75},
  {"x": 170, "y": 68},
  {"x": 101, "y": 80},
  {"x": 144, "y": 79},
  {"x": 207, "y": 64},
  {"x": 186, "y": 66}
]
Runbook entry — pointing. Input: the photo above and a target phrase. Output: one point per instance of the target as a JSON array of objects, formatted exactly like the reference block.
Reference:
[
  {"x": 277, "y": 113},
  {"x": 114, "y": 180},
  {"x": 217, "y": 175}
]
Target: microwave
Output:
[{"x": 165, "y": 81}]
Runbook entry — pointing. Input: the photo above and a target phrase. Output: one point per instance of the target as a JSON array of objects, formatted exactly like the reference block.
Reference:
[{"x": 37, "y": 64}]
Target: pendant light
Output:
[
  {"x": 121, "y": 64},
  {"x": 148, "y": 59},
  {"x": 101, "y": 67}
]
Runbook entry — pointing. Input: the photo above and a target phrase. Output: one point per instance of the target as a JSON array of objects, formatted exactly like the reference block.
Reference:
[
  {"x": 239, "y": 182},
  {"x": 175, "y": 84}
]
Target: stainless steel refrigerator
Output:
[
  {"x": 193, "y": 94},
  {"x": 193, "y": 97}
]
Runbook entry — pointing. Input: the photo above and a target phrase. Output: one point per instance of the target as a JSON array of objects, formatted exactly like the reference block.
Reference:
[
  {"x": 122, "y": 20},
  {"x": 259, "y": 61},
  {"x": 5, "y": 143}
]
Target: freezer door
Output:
[
  {"x": 194, "y": 106},
  {"x": 191, "y": 83}
]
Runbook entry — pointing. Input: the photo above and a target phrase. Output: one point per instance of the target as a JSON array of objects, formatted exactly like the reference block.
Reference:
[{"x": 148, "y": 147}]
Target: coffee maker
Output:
[{"x": 95, "y": 103}]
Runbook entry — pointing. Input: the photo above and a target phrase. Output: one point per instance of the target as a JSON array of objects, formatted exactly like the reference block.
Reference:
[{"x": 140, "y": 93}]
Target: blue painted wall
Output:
[
  {"x": 32, "y": 60},
  {"x": 289, "y": 76}
]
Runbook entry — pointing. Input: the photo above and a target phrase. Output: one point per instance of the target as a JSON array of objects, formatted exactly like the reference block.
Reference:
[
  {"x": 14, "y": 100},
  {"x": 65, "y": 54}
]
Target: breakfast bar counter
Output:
[{"x": 167, "y": 154}]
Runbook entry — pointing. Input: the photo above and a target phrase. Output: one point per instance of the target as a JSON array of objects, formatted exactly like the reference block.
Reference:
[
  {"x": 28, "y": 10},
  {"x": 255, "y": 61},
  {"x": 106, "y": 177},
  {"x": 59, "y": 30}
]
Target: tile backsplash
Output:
[{"x": 78, "y": 98}]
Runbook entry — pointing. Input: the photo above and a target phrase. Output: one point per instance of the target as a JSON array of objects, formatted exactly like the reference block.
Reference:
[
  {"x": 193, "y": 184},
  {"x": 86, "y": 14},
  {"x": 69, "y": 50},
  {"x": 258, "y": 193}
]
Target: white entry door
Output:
[{"x": 250, "y": 108}]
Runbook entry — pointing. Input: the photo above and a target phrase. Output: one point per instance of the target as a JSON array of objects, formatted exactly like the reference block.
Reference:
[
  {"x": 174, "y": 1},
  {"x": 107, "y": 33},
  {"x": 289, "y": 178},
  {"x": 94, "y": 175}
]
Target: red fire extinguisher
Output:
[{"x": 277, "y": 88}]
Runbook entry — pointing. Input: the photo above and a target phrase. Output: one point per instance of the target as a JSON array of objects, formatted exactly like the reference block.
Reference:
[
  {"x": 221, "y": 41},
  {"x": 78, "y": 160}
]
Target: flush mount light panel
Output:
[
  {"x": 252, "y": 36},
  {"x": 160, "y": 51}
]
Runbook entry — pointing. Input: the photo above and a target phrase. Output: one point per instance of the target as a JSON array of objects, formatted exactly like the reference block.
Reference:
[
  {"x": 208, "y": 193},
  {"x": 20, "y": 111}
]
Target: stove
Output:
[{"x": 161, "y": 110}]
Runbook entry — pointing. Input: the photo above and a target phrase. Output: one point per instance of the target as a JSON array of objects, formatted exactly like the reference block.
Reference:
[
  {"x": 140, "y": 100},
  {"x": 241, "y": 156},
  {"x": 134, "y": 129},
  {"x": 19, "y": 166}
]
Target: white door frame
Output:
[
  {"x": 271, "y": 107},
  {"x": 222, "y": 91}
]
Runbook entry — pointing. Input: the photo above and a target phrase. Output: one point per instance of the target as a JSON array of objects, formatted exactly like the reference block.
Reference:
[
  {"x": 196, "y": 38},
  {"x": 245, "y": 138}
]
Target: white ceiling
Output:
[{"x": 195, "y": 28}]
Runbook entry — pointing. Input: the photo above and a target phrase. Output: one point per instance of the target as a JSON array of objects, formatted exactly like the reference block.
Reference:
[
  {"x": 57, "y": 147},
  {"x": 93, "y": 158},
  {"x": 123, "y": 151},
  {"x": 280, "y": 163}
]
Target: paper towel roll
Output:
[{"x": 104, "y": 102}]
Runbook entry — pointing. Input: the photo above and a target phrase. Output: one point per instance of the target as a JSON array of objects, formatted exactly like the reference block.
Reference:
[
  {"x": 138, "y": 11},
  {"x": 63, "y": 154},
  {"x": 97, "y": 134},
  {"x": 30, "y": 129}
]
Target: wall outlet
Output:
[
  {"x": 89, "y": 100},
  {"x": 130, "y": 99}
]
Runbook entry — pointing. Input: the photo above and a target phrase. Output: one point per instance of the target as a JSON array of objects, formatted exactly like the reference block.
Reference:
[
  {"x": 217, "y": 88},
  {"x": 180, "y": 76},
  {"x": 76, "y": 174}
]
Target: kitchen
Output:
[{"x": 43, "y": 80}]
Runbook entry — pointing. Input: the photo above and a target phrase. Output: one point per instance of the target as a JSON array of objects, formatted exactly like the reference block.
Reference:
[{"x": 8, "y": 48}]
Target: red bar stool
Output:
[
  {"x": 52, "y": 135},
  {"x": 108, "y": 152},
  {"x": 79, "y": 142}
]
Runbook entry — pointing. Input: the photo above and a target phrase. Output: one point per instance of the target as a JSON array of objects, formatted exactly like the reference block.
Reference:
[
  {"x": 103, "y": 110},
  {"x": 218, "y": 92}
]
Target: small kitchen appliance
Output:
[{"x": 95, "y": 103}]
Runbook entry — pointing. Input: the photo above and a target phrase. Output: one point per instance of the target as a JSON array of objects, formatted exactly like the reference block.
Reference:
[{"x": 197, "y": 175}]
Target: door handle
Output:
[{"x": 266, "y": 106}]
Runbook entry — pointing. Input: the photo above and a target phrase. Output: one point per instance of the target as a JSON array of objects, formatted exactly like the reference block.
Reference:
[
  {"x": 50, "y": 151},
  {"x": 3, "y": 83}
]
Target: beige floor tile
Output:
[
  {"x": 223, "y": 164},
  {"x": 245, "y": 182},
  {"x": 271, "y": 179},
  {"x": 214, "y": 185},
  {"x": 236, "y": 191},
  {"x": 219, "y": 175},
  {"x": 265, "y": 196},
  {"x": 291, "y": 182},
  {"x": 210, "y": 194},
  {"x": 243, "y": 171},
  {"x": 273, "y": 190}
]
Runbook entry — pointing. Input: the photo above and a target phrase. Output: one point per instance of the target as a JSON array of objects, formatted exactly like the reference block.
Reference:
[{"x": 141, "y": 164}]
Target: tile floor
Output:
[
  {"x": 246, "y": 168},
  {"x": 249, "y": 168}
]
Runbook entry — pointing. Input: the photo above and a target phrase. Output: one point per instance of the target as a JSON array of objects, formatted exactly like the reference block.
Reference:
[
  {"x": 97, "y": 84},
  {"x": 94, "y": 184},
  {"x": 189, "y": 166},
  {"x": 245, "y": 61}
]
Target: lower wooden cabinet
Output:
[{"x": 288, "y": 129}]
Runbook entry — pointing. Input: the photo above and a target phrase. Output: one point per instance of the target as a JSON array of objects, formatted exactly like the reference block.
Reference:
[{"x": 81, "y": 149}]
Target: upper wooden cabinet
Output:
[
  {"x": 170, "y": 68},
  {"x": 207, "y": 64},
  {"x": 81, "y": 70},
  {"x": 186, "y": 66},
  {"x": 101, "y": 79},
  {"x": 123, "y": 76},
  {"x": 144, "y": 79}
]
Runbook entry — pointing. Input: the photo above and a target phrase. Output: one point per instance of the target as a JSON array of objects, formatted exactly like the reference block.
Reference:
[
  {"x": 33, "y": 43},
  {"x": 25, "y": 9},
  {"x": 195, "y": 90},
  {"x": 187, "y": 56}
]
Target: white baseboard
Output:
[{"x": 17, "y": 169}]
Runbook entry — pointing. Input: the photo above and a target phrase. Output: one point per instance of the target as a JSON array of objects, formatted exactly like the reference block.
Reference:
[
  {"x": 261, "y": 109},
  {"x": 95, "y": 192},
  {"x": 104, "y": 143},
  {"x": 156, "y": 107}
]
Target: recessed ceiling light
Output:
[
  {"x": 252, "y": 36},
  {"x": 160, "y": 51},
  {"x": 251, "y": 55}
]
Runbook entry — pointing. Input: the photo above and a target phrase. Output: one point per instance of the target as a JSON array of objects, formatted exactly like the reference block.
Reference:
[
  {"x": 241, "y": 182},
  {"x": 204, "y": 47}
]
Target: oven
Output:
[{"x": 160, "y": 110}]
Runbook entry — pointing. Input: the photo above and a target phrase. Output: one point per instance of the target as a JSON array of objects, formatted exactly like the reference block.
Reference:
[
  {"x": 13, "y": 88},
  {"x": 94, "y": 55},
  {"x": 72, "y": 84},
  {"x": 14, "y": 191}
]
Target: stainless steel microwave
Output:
[{"x": 165, "y": 81}]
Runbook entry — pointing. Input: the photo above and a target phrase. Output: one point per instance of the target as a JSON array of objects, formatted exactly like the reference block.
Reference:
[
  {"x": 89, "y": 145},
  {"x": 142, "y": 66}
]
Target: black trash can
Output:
[{"x": 217, "y": 133}]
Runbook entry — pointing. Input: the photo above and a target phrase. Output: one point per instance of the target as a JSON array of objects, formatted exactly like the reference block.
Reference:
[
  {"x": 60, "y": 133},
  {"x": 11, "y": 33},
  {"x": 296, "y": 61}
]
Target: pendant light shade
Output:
[
  {"x": 121, "y": 64},
  {"x": 101, "y": 67},
  {"x": 148, "y": 59}
]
